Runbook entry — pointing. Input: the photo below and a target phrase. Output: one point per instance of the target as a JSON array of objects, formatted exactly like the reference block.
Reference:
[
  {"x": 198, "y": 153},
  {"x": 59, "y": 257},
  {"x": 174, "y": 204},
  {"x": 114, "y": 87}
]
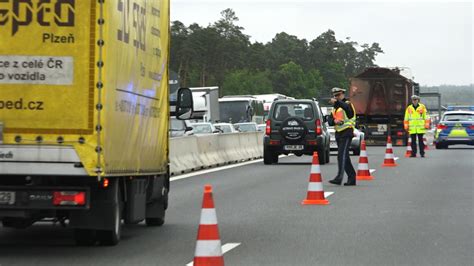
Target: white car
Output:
[
  {"x": 246, "y": 127},
  {"x": 204, "y": 128},
  {"x": 225, "y": 128},
  {"x": 355, "y": 144},
  {"x": 261, "y": 127}
]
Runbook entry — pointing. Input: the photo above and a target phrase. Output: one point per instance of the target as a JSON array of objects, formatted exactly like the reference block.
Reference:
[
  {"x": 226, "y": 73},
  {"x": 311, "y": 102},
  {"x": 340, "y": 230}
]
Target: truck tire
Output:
[
  {"x": 85, "y": 237},
  {"x": 155, "y": 221},
  {"x": 158, "y": 221},
  {"x": 112, "y": 237}
]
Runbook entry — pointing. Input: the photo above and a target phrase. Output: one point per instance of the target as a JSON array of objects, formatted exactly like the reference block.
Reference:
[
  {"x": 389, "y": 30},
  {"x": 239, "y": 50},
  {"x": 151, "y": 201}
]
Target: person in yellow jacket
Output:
[
  {"x": 416, "y": 122},
  {"x": 344, "y": 120}
]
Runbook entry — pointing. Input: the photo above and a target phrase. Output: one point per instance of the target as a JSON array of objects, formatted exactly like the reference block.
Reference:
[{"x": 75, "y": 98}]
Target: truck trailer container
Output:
[
  {"x": 84, "y": 114},
  {"x": 380, "y": 97}
]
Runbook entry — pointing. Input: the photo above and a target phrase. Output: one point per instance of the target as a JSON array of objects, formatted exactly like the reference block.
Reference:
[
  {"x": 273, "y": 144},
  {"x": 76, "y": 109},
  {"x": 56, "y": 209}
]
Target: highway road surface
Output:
[{"x": 419, "y": 213}]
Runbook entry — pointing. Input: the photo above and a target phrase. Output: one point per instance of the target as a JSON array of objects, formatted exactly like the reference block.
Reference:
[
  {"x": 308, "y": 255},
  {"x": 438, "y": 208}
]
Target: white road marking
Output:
[
  {"x": 206, "y": 171},
  {"x": 179, "y": 177},
  {"x": 396, "y": 158},
  {"x": 225, "y": 248},
  {"x": 372, "y": 170},
  {"x": 328, "y": 193}
]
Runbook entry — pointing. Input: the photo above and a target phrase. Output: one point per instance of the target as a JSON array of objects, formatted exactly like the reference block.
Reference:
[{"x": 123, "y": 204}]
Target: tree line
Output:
[{"x": 222, "y": 54}]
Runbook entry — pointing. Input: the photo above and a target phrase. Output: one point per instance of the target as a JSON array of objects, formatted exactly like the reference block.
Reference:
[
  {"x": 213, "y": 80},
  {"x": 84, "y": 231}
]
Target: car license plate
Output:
[
  {"x": 7, "y": 197},
  {"x": 376, "y": 133},
  {"x": 294, "y": 147}
]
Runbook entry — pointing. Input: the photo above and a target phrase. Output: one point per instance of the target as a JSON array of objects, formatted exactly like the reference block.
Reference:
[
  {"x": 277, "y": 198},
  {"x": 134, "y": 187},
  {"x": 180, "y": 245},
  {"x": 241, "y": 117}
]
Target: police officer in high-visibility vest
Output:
[
  {"x": 416, "y": 122},
  {"x": 344, "y": 118}
]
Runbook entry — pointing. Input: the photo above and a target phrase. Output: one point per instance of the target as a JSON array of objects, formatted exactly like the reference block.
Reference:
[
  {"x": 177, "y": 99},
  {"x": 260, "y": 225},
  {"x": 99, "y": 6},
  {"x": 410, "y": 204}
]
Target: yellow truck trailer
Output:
[{"x": 84, "y": 113}]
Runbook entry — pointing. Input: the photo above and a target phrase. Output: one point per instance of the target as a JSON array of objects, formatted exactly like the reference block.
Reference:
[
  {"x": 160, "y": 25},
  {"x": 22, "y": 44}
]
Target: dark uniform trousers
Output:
[
  {"x": 414, "y": 137},
  {"x": 343, "y": 159}
]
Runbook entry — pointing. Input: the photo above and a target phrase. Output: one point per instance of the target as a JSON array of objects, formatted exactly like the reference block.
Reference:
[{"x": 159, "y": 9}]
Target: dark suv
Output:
[{"x": 298, "y": 127}]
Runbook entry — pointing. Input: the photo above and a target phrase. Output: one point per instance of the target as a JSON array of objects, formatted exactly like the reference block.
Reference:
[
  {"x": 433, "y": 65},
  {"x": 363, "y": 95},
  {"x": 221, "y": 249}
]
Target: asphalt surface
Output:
[{"x": 419, "y": 213}]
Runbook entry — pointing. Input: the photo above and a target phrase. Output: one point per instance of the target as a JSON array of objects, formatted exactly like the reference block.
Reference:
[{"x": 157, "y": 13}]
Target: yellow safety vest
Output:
[
  {"x": 416, "y": 120},
  {"x": 340, "y": 114}
]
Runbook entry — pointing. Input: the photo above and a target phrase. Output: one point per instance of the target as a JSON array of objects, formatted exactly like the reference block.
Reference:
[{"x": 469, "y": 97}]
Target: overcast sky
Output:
[{"x": 433, "y": 38}]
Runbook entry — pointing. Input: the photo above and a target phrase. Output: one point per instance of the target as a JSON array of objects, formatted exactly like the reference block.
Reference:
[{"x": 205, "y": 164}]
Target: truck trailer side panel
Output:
[{"x": 135, "y": 80}]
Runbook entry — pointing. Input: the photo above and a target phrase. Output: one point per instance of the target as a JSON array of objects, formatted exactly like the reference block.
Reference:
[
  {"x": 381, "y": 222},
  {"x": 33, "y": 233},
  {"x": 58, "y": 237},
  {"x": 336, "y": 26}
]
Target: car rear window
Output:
[
  {"x": 459, "y": 117},
  {"x": 202, "y": 129},
  {"x": 284, "y": 110}
]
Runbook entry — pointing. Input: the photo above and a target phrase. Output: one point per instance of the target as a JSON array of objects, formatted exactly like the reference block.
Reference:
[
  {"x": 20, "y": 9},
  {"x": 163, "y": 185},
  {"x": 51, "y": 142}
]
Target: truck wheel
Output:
[
  {"x": 154, "y": 221},
  {"x": 85, "y": 237},
  {"x": 158, "y": 221},
  {"x": 112, "y": 237}
]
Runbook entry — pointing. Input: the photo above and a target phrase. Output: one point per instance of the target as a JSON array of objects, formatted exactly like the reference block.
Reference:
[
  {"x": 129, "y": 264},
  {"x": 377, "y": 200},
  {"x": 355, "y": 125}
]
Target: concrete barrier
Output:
[{"x": 194, "y": 153}]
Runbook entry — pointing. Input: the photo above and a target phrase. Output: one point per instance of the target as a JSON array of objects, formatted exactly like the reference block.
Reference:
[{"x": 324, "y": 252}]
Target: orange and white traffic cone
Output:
[
  {"x": 315, "y": 194},
  {"x": 409, "y": 150},
  {"x": 426, "y": 144},
  {"x": 208, "y": 246},
  {"x": 389, "y": 160},
  {"x": 363, "y": 170}
]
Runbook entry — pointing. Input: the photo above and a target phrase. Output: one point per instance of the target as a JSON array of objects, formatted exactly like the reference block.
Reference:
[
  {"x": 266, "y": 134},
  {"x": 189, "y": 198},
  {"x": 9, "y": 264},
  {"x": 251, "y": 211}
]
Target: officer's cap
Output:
[
  {"x": 415, "y": 97},
  {"x": 337, "y": 90}
]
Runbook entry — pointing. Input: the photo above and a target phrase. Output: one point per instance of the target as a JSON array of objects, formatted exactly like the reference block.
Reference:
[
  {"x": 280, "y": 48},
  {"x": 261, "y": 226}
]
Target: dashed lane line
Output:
[
  {"x": 225, "y": 248},
  {"x": 328, "y": 193}
]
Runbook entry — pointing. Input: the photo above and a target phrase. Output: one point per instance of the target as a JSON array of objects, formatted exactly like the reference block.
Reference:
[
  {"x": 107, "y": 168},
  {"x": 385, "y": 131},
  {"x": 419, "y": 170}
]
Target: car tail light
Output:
[
  {"x": 471, "y": 127},
  {"x": 274, "y": 142},
  {"x": 312, "y": 142},
  {"x": 69, "y": 198},
  {"x": 319, "y": 130},
  {"x": 400, "y": 133},
  {"x": 268, "y": 128},
  {"x": 441, "y": 126}
]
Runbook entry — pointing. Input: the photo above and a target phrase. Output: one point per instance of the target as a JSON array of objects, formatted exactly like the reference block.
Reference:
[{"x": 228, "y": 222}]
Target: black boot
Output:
[
  {"x": 350, "y": 184},
  {"x": 336, "y": 181}
]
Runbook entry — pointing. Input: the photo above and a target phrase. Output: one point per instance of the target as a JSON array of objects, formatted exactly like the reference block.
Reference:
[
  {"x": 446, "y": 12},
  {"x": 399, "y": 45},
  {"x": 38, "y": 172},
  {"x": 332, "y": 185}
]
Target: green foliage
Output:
[
  {"x": 245, "y": 81},
  {"x": 221, "y": 54}
]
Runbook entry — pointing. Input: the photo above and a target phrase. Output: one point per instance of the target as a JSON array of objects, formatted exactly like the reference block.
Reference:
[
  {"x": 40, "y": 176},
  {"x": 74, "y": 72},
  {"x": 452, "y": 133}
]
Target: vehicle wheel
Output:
[
  {"x": 160, "y": 220},
  {"x": 322, "y": 156},
  {"x": 85, "y": 237},
  {"x": 440, "y": 146},
  {"x": 268, "y": 157},
  {"x": 154, "y": 221},
  {"x": 328, "y": 154},
  {"x": 112, "y": 237},
  {"x": 275, "y": 157},
  {"x": 356, "y": 151}
]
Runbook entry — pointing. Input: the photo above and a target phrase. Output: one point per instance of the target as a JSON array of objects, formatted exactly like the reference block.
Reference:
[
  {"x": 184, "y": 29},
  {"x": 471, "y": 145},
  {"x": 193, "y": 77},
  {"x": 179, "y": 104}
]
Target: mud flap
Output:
[{"x": 101, "y": 214}]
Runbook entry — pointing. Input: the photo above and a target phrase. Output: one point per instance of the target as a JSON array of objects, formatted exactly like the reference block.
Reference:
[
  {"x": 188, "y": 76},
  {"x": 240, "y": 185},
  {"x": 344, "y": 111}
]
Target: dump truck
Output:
[
  {"x": 380, "y": 97},
  {"x": 84, "y": 114}
]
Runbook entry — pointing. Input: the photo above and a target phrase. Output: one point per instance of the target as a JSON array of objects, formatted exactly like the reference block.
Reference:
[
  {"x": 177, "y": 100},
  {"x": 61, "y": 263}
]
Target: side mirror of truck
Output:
[{"x": 184, "y": 104}]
